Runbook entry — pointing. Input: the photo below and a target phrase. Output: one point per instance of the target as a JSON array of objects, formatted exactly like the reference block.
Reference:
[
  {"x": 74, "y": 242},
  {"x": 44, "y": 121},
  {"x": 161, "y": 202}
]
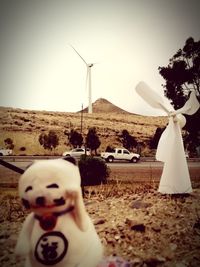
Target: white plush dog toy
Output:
[{"x": 58, "y": 231}]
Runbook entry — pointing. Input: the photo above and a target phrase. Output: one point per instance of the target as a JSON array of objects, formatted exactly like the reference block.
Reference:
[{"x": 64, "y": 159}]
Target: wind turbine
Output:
[{"x": 88, "y": 79}]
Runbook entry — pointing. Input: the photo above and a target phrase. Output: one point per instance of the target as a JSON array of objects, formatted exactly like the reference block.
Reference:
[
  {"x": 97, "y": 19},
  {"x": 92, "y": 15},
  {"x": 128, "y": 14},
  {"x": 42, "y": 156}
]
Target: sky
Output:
[{"x": 127, "y": 39}]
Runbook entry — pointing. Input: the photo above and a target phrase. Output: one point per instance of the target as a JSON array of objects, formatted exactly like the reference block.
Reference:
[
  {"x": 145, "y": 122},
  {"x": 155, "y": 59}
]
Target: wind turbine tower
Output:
[{"x": 88, "y": 80}]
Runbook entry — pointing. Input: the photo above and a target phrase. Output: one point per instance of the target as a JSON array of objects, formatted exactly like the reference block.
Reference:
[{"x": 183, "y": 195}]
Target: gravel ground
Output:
[{"x": 137, "y": 224}]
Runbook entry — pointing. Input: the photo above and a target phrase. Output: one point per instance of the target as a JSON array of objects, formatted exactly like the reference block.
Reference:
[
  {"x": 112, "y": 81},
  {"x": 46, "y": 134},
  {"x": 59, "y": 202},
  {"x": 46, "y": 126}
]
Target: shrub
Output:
[
  {"x": 154, "y": 141},
  {"x": 92, "y": 140},
  {"x": 127, "y": 140},
  {"x": 49, "y": 141},
  {"x": 93, "y": 170},
  {"x": 9, "y": 143},
  {"x": 75, "y": 138},
  {"x": 109, "y": 149}
]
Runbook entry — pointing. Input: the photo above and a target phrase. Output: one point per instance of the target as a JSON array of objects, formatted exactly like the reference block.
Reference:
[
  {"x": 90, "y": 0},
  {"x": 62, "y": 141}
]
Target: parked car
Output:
[
  {"x": 5, "y": 152},
  {"x": 77, "y": 152},
  {"x": 120, "y": 154}
]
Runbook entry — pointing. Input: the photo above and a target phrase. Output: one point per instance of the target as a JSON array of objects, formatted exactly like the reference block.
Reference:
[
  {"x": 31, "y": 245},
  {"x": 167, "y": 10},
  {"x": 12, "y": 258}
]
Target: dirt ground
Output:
[{"x": 134, "y": 222}]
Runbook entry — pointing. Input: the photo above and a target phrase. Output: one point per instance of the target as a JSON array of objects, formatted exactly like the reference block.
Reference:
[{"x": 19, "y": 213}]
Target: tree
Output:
[
  {"x": 92, "y": 140},
  {"x": 183, "y": 75},
  {"x": 49, "y": 141},
  {"x": 128, "y": 141},
  {"x": 109, "y": 149},
  {"x": 154, "y": 141},
  {"x": 75, "y": 138},
  {"x": 9, "y": 143}
]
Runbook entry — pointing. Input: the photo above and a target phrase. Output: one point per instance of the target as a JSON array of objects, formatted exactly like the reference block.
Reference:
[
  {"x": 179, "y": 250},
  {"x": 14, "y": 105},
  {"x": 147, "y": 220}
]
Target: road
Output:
[
  {"x": 143, "y": 171},
  {"x": 148, "y": 171},
  {"x": 24, "y": 162}
]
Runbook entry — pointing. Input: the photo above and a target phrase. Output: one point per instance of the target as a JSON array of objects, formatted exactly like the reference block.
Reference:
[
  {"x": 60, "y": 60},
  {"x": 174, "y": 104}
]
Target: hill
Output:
[
  {"x": 25, "y": 126},
  {"x": 102, "y": 105}
]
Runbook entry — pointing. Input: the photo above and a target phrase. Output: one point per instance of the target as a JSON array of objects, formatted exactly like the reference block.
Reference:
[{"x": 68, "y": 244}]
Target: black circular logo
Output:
[{"x": 51, "y": 248}]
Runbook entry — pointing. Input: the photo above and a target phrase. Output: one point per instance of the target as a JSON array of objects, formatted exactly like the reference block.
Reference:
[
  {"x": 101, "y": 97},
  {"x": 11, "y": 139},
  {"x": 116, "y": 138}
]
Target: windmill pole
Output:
[
  {"x": 88, "y": 66},
  {"x": 89, "y": 90}
]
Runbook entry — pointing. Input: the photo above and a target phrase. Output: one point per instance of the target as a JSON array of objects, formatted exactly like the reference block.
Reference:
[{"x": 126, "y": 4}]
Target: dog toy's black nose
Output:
[{"x": 40, "y": 201}]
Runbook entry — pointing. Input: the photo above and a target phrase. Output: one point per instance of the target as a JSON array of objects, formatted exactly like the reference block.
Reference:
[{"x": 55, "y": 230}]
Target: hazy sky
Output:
[{"x": 129, "y": 39}]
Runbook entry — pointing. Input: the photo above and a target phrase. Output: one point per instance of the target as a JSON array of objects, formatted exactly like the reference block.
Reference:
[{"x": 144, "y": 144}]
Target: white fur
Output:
[{"x": 84, "y": 246}]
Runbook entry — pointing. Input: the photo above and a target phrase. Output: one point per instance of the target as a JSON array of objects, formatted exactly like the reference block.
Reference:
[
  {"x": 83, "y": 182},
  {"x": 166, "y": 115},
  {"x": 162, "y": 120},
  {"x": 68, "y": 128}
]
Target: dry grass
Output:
[{"x": 25, "y": 126}]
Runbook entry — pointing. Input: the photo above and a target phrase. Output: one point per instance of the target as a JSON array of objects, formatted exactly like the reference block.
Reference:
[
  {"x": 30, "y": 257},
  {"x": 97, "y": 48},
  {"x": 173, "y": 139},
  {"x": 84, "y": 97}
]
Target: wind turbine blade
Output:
[
  {"x": 79, "y": 54},
  {"x": 151, "y": 97},
  {"x": 191, "y": 106}
]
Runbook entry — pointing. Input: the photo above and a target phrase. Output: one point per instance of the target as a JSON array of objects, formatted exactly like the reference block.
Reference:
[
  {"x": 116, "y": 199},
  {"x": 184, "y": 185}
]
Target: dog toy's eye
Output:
[
  {"x": 28, "y": 188},
  {"x": 59, "y": 201},
  {"x": 52, "y": 186}
]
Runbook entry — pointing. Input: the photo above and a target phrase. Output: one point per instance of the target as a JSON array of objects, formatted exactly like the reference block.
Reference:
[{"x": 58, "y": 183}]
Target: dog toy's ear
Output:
[{"x": 70, "y": 159}]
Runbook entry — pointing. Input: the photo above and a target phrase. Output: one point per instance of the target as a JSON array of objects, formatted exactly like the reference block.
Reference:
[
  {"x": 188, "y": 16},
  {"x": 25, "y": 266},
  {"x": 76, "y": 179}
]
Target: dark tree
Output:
[
  {"x": 183, "y": 75},
  {"x": 154, "y": 141},
  {"x": 92, "y": 140},
  {"x": 9, "y": 143},
  {"x": 109, "y": 149},
  {"x": 49, "y": 141},
  {"x": 75, "y": 138},
  {"x": 127, "y": 140}
]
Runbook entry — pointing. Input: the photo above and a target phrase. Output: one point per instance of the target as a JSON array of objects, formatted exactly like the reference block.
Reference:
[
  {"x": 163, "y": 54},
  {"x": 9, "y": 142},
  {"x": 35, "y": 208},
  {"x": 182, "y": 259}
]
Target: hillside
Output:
[
  {"x": 102, "y": 105},
  {"x": 25, "y": 126}
]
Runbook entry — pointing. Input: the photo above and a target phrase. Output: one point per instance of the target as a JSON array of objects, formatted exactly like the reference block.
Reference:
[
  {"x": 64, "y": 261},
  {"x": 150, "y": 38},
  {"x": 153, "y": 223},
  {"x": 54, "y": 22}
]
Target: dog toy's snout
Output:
[{"x": 40, "y": 201}]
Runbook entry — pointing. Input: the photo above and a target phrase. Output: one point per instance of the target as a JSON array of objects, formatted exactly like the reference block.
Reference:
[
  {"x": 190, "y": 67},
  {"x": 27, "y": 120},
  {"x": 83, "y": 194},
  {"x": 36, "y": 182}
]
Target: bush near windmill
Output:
[{"x": 93, "y": 170}]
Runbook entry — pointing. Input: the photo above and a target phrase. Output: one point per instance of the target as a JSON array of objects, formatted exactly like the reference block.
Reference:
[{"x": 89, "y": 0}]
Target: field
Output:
[
  {"x": 133, "y": 220},
  {"x": 25, "y": 126}
]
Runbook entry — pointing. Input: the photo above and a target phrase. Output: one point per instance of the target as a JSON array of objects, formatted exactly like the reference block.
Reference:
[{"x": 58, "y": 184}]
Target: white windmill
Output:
[
  {"x": 88, "y": 80},
  {"x": 175, "y": 177}
]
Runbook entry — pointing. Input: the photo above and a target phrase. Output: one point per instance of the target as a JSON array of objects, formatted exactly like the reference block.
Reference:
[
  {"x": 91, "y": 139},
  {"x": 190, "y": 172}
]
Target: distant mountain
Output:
[{"x": 102, "y": 105}]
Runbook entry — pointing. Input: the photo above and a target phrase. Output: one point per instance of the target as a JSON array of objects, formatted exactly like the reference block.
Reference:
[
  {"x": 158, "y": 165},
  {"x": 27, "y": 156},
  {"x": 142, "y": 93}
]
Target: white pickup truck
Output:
[
  {"x": 120, "y": 154},
  {"x": 5, "y": 152}
]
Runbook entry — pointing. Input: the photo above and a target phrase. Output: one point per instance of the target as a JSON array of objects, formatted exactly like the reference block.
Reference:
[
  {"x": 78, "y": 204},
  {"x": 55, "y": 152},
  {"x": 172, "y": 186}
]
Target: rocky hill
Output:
[{"x": 102, "y": 105}]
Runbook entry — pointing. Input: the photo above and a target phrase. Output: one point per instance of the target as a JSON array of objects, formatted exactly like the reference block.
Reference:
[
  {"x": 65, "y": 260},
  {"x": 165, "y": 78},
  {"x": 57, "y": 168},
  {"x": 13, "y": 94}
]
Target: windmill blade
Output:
[
  {"x": 191, "y": 106},
  {"x": 79, "y": 55},
  {"x": 151, "y": 97}
]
